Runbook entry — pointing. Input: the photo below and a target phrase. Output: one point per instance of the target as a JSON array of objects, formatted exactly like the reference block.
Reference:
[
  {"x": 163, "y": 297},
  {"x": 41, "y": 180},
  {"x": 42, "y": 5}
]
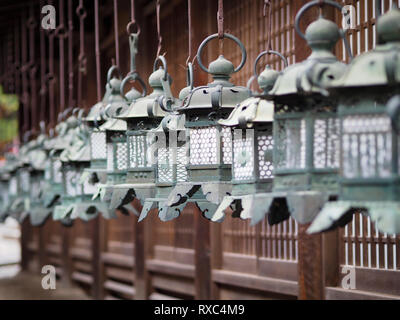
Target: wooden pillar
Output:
[
  {"x": 25, "y": 234},
  {"x": 65, "y": 256}
]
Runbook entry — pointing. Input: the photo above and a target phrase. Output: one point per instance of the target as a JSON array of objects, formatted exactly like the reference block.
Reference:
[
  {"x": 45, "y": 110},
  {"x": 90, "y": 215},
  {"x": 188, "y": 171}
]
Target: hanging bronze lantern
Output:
[
  {"x": 306, "y": 127},
  {"x": 171, "y": 154},
  {"x": 251, "y": 124},
  {"x": 76, "y": 201},
  {"x": 38, "y": 213},
  {"x": 141, "y": 117},
  {"x": 9, "y": 176},
  {"x": 210, "y": 144},
  {"x": 96, "y": 174},
  {"x": 369, "y": 109}
]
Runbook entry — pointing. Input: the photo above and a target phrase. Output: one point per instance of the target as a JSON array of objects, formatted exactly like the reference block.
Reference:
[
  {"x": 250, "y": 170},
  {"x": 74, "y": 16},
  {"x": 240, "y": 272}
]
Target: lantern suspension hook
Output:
[
  {"x": 133, "y": 22},
  {"x": 81, "y": 13},
  {"x": 165, "y": 82},
  {"x": 116, "y": 33},
  {"x": 269, "y": 52},
  {"x": 320, "y": 3}
]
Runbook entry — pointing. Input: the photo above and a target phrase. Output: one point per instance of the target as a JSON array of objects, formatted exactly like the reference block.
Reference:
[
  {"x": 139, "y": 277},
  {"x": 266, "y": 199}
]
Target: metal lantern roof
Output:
[{"x": 369, "y": 108}]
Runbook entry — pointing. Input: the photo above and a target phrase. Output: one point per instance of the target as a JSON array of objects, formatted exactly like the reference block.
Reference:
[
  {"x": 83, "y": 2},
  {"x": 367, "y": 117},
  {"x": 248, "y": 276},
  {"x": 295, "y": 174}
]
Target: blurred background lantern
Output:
[
  {"x": 251, "y": 125},
  {"x": 9, "y": 177},
  {"x": 210, "y": 144},
  {"x": 37, "y": 159},
  {"x": 369, "y": 109},
  {"x": 141, "y": 117},
  {"x": 306, "y": 128}
]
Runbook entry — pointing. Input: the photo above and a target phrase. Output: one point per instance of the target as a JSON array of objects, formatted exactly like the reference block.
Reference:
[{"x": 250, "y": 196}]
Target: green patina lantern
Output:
[
  {"x": 55, "y": 146},
  {"x": 369, "y": 109},
  {"x": 76, "y": 201},
  {"x": 306, "y": 127},
  {"x": 117, "y": 146},
  {"x": 38, "y": 213},
  {"x": 142, "y": 116},
  {"x": 210, "y": 144},
  {"x": 251, "y": 124},
  {"x": 96, "y": 174},
  {"x": 9, "y": 182},
  {"x": 171, "y": 154}
]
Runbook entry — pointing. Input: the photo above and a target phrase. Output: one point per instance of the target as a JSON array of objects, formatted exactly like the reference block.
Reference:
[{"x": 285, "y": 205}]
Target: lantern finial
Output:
[
  {"x": 221, "y": 68},
  {"x": 388, "y": 26},
  {"x": 322, "y": 34}
]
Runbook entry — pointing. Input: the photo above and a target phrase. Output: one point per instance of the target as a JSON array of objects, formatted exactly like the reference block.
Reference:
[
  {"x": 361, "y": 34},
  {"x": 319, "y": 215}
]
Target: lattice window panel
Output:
[
  {"x": 181, "y": 162},
  {"x": 98, "y": 146},
  {"x": 70, "y": 182},
  {"x": 165, "y": 171},
  {"x": 291, "y": 143},
  {"x": 226, "y": 136},
  {"x": 122, "y": 155},
  {"x": 243, "y": 166},
  {"x": 57, "y": 173},
  {"x": 366, "y": 146},
  {"x": 24, "y": 179},
  {"x": 362, "y": 245},
  {"x": 362, "y": 37},
  {"x": 110, "y": 156},
  {"x": 326, "y": 143},
  {"x": 265, "y": 144},
  {"x": 13, "y": 187},
  {"x": 243, "y": 18},
  {"x": 139, "y": 151},
  {"x": 203, "y": 146},
  {"x": 275, "y": 242}
]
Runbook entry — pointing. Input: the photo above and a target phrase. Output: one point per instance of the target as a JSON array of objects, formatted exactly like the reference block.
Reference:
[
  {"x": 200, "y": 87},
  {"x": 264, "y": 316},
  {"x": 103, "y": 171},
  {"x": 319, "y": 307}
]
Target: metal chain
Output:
[
  {"x": 97, "y": 48},
  {"x": 267, "y": 4},
  {"x": 61, "y": 35},
  {"x": 81, "y": 12},
  {"x": 71, "y": 101},
  {"x": 43, "y": 84},
  {"x": 116, "y": 33},
  {"x": 50, "y": 79},
  {"x": 189, "y": 31},
  {"x": 220, "y": 24},
  {"x": 32, "y": 67},
  {"x": 158, "y": 7}
]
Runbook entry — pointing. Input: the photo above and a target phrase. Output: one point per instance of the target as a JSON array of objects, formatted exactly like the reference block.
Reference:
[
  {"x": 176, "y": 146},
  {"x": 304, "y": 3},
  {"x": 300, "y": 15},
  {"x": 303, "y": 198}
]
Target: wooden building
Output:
[{"x": 190, "y": 257}]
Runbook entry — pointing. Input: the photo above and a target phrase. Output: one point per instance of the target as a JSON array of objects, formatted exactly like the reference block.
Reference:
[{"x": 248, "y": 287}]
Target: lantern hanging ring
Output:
[
  {"x": 226, "y": 35},
  {"x": 111, "y": 71},
  {"x": 269, "y": 52},
  {"x": 320, "y": 3},
  {"x": 133, "y": 77},
  {"x": 165, "y": 66},
  {"x": 190, "y": 76}
]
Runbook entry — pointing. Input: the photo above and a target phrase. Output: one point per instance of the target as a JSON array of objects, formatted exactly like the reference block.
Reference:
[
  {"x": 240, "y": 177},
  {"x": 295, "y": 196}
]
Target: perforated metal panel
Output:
[
  {"x": 110, "y": 156},
  {"x": 57, "y": 173},
  {"x": 122, "y": 155},
  {"x": 326, "y": 143},
  {"x": 203, "y": 146},
  {"x": 13, "y": 186},
  {"x": 181, "y": 162},
  {"x": 226, "y": 135},
  {"x": 70, "y": 182},
  {"x": 139, "y": 151},
  {"x": 243, "y": 166},
  {"x": 367, "y": 146},
  {"x": 25, "y": 180},
  {"x": 98, "y": 145},
  {"x": 165, "y": 165},
  {"x": 291, "y": 144},
  {"x": 265, "y": 146}
]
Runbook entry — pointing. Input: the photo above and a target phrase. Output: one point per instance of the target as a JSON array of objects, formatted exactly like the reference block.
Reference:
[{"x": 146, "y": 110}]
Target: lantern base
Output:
[
  {"x": 165, "y": 212},
  {"x": 385, "y": 214},
  {"x": 39, "y": 215},
  {"x": 123, "y": 194},
  {"x": 303, "y": 206}
]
